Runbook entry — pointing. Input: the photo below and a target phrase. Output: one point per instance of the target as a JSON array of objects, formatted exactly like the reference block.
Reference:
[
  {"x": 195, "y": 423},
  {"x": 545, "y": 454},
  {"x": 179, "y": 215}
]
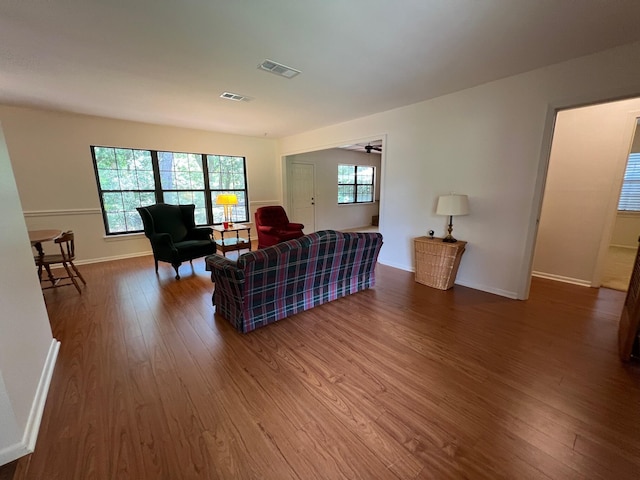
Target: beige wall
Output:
[
  {"x": 56, "y": 181},
  {"x": 27, "y": 348},
  {"x": 328, "y": 214},
  {"x": 489, "y": 142}
]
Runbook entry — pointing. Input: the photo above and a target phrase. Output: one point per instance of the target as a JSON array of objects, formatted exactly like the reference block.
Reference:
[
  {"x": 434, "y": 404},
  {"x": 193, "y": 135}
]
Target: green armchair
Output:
[{"x": 173, "y": 234}]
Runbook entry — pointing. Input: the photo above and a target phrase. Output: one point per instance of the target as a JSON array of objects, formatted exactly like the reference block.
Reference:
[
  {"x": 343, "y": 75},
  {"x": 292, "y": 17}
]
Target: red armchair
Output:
[{"x": 273, "y": 226}]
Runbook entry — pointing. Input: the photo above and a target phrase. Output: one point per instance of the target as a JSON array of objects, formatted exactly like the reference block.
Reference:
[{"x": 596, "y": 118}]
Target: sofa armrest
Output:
[
  {"x": 267, "y": 229},
  {"x": 295, "y": 226}
]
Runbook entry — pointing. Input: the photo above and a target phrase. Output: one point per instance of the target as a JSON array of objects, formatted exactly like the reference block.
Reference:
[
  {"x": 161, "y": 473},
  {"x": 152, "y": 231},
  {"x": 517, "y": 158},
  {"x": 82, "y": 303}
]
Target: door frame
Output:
[{"x": 524, "y": 284}]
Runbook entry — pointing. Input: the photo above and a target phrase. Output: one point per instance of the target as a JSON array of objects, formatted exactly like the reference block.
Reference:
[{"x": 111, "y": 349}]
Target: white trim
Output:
[
  {"x": 630, "y": 247},
  {"x": 28, "y": 443},
  {"x": 115, "y": 257},
  {"x": 560, "y": 278},
  {"x": 53, "y": 213},
  {"x": 89, "y": 261},
  {"x": 35, "y": 416}
]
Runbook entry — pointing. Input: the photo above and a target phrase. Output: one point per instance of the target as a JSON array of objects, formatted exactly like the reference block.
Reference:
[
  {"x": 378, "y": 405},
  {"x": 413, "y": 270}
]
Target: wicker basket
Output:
[{"x": 437, "y": 262}]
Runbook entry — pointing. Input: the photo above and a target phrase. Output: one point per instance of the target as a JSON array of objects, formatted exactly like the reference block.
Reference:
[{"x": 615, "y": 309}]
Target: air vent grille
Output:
[
  {"x": 235, "y": 97},
  {"x": 278, "y": 69}
]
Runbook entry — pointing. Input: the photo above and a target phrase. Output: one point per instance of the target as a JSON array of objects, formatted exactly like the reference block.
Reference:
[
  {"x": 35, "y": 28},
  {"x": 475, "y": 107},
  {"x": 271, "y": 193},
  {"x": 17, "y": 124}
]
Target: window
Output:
[
  {"x": 630, "y": 194},
  {"x": 129, "y": 178},
  {"x": 355, "y": 183}
]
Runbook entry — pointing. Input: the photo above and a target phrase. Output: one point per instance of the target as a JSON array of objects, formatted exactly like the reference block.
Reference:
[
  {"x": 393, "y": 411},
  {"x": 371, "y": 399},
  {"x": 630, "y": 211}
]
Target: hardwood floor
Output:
[{"x": 397, "y": 382}]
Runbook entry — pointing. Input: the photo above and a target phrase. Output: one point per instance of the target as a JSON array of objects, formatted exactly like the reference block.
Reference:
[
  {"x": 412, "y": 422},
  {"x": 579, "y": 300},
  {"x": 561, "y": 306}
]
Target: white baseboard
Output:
[
  {"x": 115, "y": 257},
  {"x": 560, "y": 278},
  {"x": 28, "y": 443}
]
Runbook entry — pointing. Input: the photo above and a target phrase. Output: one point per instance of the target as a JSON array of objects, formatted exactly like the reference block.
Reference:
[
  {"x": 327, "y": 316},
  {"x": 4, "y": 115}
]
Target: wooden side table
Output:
[
  {"x": 437, "y": 262},
  {"x": 230, "y": 244}
]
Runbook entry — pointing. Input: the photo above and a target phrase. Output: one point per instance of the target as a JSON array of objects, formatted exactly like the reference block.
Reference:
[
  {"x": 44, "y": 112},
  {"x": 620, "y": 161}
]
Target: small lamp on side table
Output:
[
  {"x": 227, "y": 200},
  {"x": 452, "y": 205}
]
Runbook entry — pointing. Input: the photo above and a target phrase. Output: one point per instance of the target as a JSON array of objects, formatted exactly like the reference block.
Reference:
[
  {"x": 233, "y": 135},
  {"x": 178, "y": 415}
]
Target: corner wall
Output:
[{"x": 27, "y": 347}]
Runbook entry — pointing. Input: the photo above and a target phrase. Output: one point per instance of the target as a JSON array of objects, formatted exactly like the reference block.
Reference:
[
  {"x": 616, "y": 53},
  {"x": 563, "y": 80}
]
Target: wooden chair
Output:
[{"x": 67, "y": 254}]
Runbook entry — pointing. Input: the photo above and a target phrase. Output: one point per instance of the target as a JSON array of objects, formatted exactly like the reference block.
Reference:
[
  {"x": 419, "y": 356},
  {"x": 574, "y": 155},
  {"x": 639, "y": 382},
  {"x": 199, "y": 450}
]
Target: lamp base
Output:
[{"x": 449, "y": 239}]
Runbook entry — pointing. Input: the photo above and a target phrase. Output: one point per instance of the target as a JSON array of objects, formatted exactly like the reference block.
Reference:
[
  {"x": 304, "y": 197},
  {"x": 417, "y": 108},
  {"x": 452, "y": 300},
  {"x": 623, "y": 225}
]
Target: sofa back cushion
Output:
[
  {"x": 273, "y": 216},
  {"x": 308, "y": 264},
  {"x": 168, "y": 219}
]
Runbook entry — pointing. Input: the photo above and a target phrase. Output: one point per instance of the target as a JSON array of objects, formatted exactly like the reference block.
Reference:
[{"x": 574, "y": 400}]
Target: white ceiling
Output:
[{"x": 167, "y": 61}]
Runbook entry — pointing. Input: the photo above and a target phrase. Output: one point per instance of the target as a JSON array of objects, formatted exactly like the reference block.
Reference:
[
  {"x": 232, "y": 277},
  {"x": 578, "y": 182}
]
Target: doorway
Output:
[
  {"x": 313, "y": 189},
  {"x": 589, "y": 152}
]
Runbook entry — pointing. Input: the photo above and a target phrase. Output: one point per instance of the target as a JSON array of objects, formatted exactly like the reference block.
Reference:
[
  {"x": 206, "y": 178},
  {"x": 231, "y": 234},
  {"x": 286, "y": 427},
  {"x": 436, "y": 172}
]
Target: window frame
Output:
[
  {"x": 355, "y": 184},
  {"x": 159, "y": 192}
]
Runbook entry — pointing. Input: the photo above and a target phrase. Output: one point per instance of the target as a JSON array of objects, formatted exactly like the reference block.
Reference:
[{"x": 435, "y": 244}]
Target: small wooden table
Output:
[
  {"x": 230, "y": 244},
  {"x": 37, "y": 238}
]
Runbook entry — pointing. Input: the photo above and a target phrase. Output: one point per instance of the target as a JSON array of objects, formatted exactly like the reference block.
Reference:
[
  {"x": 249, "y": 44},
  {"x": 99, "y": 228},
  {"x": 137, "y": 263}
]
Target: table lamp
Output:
[
  {"x": 227, "y": 200},
  {"x": 452, "y": 205}
]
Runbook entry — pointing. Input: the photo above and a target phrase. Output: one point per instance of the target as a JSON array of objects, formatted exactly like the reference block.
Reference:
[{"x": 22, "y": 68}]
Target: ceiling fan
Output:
[{"x": 377, "y": 148}]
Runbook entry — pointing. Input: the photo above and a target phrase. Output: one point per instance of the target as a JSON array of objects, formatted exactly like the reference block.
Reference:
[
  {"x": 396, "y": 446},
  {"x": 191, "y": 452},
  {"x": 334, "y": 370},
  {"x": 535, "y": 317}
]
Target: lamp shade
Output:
[
  {"x": 453, "y": 205},
  {"x": 227, "y": 199}
]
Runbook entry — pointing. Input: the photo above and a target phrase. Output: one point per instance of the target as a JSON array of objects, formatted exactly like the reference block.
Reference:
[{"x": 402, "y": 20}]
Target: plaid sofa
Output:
[{"x": 267, "y": 285}]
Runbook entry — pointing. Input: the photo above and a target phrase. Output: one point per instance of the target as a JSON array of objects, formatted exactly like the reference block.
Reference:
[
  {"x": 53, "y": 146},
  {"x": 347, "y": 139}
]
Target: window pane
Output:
[
  {"x": 147, "y": 198},
  {"x": 105, "y": 158},
  {"x": 116, "y": 222},
  {"x": 124, "y": 159},
  {"x": 112, "y": 202},
  {"x": 346, "y": 174},
  {"x": 180, "y": 171},
  {"x": 201, "y": 216},
  {"x": 346, "y": 194},
  {"x": 365, "y": 193},
  {"x": 365, "y": 175},
  {"x": 109, "y": 179},
  {"x": 142, "y": 159},
  {"x": 171, "y": 197},
  {"x": 145, "y": 180},
  {"x": 133, "y": 221},
  {"x": 128, "y": 180}
]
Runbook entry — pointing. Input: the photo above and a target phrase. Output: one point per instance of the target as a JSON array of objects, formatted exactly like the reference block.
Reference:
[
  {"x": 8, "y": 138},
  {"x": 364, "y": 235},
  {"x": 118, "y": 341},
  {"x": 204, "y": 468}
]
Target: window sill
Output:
[{"x": 628, "y": 213}]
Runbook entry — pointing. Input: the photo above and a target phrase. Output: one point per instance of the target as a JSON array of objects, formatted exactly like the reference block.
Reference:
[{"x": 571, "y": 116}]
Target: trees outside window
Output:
[
  {"x": 355, "y": 184},
  {"x": 130, "y": 178}
]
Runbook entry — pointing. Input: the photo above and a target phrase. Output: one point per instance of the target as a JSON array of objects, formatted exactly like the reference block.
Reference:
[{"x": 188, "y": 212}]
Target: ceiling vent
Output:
[
  {"x": 278, "y": 69},
  {"x": 235, "y": 97}
]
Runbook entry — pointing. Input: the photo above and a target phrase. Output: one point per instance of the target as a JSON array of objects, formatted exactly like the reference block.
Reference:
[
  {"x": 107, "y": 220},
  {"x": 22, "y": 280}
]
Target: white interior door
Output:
[{"x": 303, "y": 195}]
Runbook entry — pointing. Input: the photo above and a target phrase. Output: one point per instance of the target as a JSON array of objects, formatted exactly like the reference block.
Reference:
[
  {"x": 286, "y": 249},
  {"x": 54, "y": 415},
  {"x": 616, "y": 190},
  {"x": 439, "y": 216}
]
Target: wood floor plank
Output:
[{"x": 401, "y": 381}]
